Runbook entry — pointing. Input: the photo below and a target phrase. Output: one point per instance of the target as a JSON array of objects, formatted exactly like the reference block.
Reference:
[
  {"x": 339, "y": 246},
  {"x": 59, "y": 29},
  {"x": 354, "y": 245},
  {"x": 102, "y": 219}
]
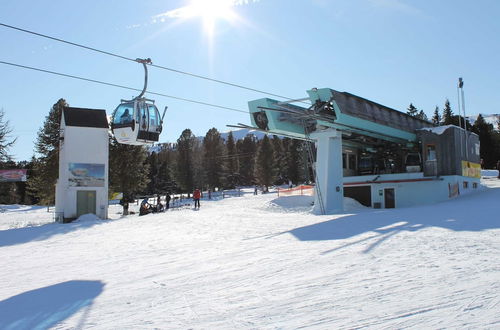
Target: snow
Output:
[
  {"x": 256, "y": 262},
  {"x": 436, "y": 130}
]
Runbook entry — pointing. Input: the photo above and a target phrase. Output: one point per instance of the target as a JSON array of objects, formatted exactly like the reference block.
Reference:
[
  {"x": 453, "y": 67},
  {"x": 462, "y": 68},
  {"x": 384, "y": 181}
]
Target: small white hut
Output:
[{"x": 82, "y": 186}]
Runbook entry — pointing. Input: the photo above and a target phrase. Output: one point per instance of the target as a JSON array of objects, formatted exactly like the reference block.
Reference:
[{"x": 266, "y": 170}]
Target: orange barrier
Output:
[{"x": 299, "y": 190}]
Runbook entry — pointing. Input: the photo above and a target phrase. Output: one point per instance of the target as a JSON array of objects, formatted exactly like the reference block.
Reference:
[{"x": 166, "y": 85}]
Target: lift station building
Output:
[
  {"x": 379, "y": 156},
  {"x": 82, "y": 185}
]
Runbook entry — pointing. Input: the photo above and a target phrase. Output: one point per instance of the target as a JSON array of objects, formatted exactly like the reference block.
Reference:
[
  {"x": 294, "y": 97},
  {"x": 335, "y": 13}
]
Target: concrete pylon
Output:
[{"x": 329, "y": 171}]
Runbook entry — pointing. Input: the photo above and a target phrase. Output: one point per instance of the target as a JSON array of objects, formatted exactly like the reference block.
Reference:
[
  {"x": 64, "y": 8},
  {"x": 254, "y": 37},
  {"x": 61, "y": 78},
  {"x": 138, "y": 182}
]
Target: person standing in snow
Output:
[
  {"x": 167, "y": 201},
  {"x": 196, "y": 198},
  {"x": 498, "y": 168}
]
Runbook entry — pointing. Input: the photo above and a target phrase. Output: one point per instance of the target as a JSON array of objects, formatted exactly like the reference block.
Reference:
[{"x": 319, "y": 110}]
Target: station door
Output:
[{"x": 85, "y": 202}]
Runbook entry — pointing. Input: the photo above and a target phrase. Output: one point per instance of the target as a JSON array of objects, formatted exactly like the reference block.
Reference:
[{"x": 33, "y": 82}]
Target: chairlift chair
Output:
[{"x": 137, "y": 121}]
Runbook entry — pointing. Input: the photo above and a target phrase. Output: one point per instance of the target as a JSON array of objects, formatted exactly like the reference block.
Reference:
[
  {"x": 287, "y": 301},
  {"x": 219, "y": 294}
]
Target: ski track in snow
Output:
[{"x": 257, "y": 262}]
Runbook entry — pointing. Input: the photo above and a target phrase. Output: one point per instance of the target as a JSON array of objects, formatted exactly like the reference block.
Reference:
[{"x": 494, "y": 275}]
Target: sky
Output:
[{"x": 392, "y": 52}]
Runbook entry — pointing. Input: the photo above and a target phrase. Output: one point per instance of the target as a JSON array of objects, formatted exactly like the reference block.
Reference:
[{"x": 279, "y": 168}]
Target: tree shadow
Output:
[
  {"x": 474, "y": 212},
  {"x": 45, "y": 307},
  {"x": 27, "y": 234}
]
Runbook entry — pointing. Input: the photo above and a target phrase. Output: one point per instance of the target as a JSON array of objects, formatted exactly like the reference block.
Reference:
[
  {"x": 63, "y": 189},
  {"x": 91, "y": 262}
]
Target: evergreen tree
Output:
[
  {"x": 264, "y": 169},
  {"x": 166, "y": 159},
  {"x": 9, "y": 193},
  {"x": 421, "y": 115},
  {"x": 128, "y": 171},
  {"x": 294, "y": 160},
  {"x": 436, "y": 118},
  {"x": 280, "y": 163},
  {"x": 489, "y": 151},
  {"x": 5, "y": 141},
  {"x": 199, "y": 173},
  {"x": 154, "y": 172},
  {"x": 246, "y": 150},
  {"x": 185, "y": 161},
  {"x": 41, "y": 184},
  {"x": 232, "y": 162},
  {"x": 213, "y": 159},
  {"x": 447, "y": 114},
  {"x": 412, "y": 110}
]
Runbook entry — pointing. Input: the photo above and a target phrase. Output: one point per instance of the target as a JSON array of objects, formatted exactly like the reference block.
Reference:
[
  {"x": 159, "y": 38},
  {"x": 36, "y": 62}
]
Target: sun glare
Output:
[
  {"x": 212, "y": 11},
  {"x": 209, "y": 11}
]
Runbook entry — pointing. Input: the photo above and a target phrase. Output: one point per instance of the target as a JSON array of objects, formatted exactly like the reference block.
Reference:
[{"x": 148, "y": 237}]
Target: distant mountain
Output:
[
  {"x": 493, "y": 119},
  {"x": 239, "y": 134}
]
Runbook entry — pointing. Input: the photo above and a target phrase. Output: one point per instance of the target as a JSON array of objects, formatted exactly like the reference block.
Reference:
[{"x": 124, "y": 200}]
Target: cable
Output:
[
  {"x": 121, "y": 86},
  {"x": 154, "y": 65}
]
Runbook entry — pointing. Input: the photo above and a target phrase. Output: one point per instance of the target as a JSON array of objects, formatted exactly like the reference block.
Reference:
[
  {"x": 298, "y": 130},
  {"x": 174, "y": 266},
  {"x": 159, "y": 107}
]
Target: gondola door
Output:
[{"x": 143, "y": 120}]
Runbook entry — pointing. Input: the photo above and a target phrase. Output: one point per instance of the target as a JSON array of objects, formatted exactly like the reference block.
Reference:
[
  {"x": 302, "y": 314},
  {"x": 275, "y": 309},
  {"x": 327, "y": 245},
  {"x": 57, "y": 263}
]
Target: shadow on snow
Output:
[
  {"x": 27, "y": 234},
  {"x": 45, "y": 307},
  {"x": 475, "y": 212}
]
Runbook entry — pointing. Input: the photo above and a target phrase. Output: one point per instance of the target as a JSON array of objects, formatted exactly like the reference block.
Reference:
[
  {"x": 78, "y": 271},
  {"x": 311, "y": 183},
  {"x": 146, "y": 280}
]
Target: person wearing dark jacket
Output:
[
  {"x": 196, "y": 198},
  {"x": 167, "y": 201}
]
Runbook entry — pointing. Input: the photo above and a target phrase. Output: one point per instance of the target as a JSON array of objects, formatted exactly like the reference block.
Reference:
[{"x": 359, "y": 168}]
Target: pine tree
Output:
[
  {"x": 293, "y": 159},
  {"x": 436, "y": 118},
  {"x": 185, "y": 161},
  {"x": 154, "y": 169},
  {"x": 412, "y": 110},
  {"x": 213, "y": 159},
  {"x": 280, "y": 164},
  {"x": 128, "y": 171},
  {"x": 166, "y": 159},
  {"x": 264, "y": 170},
  {"x": 421, "y": 115},
  {"x": 5, "y": 141},
  {"x": 447, "y": 114},
  {"x": 488, "y": 151},
  {"x": 247, "y": 149},
  {"x": 232, "y": 162},
  {"x": 9, "y": 193},
  {"x": 41, "y": 184}
]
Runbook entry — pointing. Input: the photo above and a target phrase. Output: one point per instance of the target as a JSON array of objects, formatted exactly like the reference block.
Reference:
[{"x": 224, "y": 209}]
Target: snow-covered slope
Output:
[{"x": 256, "y": 262}]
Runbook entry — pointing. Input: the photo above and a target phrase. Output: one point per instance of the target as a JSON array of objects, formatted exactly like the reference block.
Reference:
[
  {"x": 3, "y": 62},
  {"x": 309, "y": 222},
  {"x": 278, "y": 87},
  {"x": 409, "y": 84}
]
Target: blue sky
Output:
[{"x": 390, "y": 51}]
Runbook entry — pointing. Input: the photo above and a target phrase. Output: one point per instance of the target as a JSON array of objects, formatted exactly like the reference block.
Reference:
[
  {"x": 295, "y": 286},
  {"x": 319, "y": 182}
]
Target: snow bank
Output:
[
  {"x": 436, "y": 130},
  {"x": 87, "y": 218},
  {"x": 489, "y": 173},
  {"x": 257, "y": 262}
]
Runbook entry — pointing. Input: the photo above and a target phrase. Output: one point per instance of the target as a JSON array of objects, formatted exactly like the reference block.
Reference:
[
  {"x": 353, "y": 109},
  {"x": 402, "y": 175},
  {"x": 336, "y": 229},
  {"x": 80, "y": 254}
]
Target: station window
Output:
[
  {"x": 344, "y": 161},
  {"x": 466, "y": 184},
  {"x": 431, "y": 152},
  {"x": 352, "y": 161}
]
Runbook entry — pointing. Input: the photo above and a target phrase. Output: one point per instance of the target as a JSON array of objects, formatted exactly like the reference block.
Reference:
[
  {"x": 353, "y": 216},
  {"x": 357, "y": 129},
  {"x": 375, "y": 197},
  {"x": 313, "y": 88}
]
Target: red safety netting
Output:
[{"x": 297, "y": 191}]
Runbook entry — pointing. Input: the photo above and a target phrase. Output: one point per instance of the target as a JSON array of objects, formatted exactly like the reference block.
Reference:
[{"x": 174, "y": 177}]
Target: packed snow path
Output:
[{"x": 256, "y": 262}]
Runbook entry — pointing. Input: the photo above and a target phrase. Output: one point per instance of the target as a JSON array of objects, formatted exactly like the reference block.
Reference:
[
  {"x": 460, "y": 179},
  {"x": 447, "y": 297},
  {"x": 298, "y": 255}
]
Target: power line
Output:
[
  {"x": 153, "y": 65},
  {"x": 121, "y": 86}
]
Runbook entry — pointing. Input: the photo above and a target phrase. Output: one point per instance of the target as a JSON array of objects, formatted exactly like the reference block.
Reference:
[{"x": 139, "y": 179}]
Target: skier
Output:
[
  {"x": 196, "y": 198},
  {"x": 498, "y": 168}
]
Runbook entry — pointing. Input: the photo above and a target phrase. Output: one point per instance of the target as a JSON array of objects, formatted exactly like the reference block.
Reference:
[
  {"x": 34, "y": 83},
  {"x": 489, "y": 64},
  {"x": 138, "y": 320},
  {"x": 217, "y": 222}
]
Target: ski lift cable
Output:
[
  {"x": 151, "y": 64},
  {"x": 122, "y": 86}
]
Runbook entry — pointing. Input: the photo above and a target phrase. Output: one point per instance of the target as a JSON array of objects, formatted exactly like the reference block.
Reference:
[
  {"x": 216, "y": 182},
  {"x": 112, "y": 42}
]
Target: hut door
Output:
[
  {"x": 389, "y": 198},
  {"x": 85, "y": 202}
]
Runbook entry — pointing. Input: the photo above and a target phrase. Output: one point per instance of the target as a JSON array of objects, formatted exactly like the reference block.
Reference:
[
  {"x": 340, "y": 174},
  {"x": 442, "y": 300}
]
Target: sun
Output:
[{"x": 209, "y": 11}]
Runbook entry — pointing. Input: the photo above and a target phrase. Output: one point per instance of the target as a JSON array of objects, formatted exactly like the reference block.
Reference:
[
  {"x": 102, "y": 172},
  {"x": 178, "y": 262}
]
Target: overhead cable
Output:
[
  {"x": 153, "y": 65},
  {"x": 121, "y": 86}
]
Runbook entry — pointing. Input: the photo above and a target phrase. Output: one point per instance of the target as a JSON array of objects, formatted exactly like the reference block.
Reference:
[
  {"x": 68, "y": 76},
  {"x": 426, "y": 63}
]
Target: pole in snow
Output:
[{"x": 461, "y": 86}]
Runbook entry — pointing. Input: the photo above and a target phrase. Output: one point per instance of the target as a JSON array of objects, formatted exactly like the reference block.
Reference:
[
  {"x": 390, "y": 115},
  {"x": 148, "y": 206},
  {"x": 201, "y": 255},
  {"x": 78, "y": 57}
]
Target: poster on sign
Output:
[
  {"x": 14, "y": 175},
  {"x": 86, "y": 175}
]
